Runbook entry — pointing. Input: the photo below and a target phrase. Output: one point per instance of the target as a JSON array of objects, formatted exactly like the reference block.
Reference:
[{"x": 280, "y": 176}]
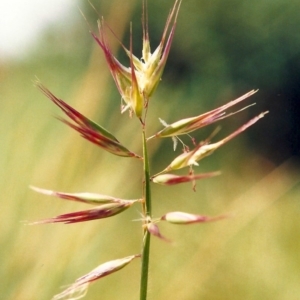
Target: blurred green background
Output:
[{"x": 220, "y": 51}]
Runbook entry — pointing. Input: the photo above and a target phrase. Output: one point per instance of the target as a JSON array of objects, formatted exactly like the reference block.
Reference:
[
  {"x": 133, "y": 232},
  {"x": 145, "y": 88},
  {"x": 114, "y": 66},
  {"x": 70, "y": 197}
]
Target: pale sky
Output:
[{"x": 22, "y": 21}]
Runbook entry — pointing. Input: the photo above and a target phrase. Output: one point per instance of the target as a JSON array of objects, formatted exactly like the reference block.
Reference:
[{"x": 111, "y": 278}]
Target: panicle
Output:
[{"x": 136, "y": 84}]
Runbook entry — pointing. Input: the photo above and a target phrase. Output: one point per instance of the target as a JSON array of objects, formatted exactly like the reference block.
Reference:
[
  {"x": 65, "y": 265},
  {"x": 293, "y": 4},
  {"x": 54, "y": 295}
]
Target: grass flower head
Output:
[{"x": 136, "y": 84}]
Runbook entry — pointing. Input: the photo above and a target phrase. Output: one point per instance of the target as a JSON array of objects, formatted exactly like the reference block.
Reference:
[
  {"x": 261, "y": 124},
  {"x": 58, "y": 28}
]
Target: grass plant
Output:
[
  {"x": 136, "y": 85},
  {"x": 256, "y": 249}
]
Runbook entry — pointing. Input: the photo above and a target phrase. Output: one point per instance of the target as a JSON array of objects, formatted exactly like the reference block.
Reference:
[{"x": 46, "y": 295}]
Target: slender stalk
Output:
[
  {"x": 147, "y": 216},
  {"x": 146, "y": 177},
  {"x": 145, "y": 266}
]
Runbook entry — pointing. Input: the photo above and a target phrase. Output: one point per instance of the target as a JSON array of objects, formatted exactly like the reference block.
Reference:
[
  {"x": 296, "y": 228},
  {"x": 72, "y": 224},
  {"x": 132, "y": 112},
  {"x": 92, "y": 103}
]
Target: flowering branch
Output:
[{"x": 136, "y": 84}]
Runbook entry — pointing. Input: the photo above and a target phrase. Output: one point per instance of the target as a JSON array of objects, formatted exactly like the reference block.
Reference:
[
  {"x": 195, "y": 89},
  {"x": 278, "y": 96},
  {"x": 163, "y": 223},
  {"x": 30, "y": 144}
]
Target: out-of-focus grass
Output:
[{"x": 254, "y": 254}]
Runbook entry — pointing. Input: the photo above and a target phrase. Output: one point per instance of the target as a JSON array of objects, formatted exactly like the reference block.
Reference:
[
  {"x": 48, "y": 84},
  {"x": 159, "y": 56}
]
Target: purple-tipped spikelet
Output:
[
  {"x": 99, "y": 212},
  {"x": 172, "y": 179},
  {"x": 178, "y": 217},
  {"x": 89, "y": 198},
  {"x": 87, "y": 128},
  {"x": 79, "y": 288},
  {"x": 188, "y": 125}
]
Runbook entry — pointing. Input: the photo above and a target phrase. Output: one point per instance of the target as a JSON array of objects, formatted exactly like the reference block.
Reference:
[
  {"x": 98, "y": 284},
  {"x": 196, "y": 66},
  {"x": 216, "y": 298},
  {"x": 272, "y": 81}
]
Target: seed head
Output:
[
  {"x": 191, "y": 158},
  {"x": 137, "y": 83},
  {"x": 188, "y": 125},
  {"x": 99, "y": 212},
  {"x": 79, "y": 288},
  {"x": 89, "y": 198},
  {"x": 172, "y": 179},
  {"x": 178, "y": 217},
  {"x": 87, "y": 128}
]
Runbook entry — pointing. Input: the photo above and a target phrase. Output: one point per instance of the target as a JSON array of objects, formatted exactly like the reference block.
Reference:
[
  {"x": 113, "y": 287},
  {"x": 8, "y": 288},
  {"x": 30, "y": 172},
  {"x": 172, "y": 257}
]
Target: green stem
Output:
[
  {"x": 146, "y": 177},
  {"x": 147, "y": 216}
]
